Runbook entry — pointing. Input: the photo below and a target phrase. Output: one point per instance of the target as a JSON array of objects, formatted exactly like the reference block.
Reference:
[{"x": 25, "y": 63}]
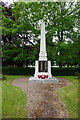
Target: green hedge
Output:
[
  {"x": 17, "y": 71},
  {"x": 30, "y": 71},
  {"x": 69, "y": 71}
]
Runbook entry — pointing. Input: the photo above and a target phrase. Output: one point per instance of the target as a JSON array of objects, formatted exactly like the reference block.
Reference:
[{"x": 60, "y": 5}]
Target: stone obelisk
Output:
[
  {"x": 43, "y": 54},
  {"x": 43, "y": 66}
]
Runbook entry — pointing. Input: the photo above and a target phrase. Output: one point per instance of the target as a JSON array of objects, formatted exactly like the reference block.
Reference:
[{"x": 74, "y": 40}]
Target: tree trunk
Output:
[{"x": 61, "y": 35}]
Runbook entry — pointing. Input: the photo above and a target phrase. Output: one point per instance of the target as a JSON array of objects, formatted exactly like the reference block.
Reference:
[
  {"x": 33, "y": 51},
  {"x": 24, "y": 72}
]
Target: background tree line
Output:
[{"x": 21, "y": 26}]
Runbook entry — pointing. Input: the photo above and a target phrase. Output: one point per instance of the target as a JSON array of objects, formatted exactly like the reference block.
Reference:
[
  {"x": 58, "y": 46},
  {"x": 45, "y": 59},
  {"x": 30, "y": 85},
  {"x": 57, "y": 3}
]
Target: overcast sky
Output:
[{"x": 9, "y": 1}]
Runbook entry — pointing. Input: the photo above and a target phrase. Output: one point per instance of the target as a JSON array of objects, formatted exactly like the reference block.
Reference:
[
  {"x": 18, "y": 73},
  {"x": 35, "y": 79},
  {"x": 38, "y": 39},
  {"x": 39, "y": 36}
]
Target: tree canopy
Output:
[{"x": 21, "y": 26}]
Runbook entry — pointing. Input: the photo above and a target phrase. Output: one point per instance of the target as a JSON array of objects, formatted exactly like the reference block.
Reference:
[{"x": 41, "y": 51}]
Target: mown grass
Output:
[
  {"x": 14, "y": 99},
  {"x": 69, "y": 95},
  {"x": 0, "y": 99}
]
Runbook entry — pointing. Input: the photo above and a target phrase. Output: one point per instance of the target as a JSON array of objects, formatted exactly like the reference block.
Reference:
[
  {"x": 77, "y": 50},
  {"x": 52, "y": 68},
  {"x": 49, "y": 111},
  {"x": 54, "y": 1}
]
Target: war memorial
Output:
[{"x": 43, "y": 66}]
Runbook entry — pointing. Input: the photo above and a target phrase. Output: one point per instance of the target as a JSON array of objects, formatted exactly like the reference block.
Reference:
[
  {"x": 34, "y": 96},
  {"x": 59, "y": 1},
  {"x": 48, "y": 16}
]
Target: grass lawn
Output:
[
  {"x": 69, "y": 95},
  {"x": 0, "y": 99},
  {"x": 14, "y": 99}
]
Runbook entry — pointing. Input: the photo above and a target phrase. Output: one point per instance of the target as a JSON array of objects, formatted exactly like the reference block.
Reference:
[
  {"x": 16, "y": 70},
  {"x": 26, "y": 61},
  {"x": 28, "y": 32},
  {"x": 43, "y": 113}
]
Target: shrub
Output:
[
  {"x": 2, "y": 77},
  {"x": 17, "y": 71},
  {"x": 68, "y": 71},
  {"x": 78, "y": 73}
]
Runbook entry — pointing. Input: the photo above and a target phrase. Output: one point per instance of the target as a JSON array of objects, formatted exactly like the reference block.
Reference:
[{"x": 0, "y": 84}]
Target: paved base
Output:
[{"x": 49, "y": 80}]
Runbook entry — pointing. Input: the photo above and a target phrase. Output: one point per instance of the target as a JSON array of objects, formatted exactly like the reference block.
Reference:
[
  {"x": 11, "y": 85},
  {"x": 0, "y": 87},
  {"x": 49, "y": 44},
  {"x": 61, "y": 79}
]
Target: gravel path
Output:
[{"x": 42, "y": 101}]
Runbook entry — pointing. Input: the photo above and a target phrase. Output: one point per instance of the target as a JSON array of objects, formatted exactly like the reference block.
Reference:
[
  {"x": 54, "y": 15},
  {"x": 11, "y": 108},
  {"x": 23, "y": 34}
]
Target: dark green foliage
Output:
[
  {"x": 78, "y": 73},
  {"x": 17, "y": 71},
  {"x": 69, "y": 71},
  {"x": 21, "y": 25}
]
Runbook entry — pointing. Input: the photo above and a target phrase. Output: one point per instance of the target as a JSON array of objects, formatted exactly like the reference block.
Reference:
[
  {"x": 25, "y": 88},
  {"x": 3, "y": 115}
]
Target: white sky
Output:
[{"x": 10, "y": 1}]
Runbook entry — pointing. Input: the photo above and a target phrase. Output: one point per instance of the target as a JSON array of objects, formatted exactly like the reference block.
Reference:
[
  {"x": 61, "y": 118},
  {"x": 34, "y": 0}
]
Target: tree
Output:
[{"x": 60, "y": 19}]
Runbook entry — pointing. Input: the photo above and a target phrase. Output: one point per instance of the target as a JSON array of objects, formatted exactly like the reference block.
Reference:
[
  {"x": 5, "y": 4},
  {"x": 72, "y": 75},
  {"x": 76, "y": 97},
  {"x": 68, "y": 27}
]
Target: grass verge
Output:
[
  {"x": 69, "y": 95},
  {"x": 0, "y": 99},
  {"x": 14, "y": 99}
]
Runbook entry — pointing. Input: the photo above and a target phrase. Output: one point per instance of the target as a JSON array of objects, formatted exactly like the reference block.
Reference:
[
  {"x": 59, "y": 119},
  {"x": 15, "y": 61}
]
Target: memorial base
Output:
[{"x": 47, "y": 80}]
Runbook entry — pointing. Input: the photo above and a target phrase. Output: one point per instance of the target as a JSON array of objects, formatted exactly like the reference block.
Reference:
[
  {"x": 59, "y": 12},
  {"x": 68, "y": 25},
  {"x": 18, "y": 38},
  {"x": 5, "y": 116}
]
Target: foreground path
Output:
[{"x": 42, "y": 101}]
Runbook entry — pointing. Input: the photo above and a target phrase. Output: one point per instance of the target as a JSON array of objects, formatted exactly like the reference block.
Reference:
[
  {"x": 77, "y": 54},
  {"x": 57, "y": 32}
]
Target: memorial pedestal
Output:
[{"x": 42, "y": 68}]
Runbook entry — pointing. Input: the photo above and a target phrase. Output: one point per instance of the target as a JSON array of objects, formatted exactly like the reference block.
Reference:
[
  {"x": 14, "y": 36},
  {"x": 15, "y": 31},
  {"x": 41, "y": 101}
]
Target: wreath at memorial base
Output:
[{"x": 42, "y": 76}]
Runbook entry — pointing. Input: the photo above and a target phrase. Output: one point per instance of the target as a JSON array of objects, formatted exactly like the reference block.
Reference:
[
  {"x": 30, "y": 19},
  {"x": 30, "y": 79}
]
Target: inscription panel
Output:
[{"x": 43, "y": 66}]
